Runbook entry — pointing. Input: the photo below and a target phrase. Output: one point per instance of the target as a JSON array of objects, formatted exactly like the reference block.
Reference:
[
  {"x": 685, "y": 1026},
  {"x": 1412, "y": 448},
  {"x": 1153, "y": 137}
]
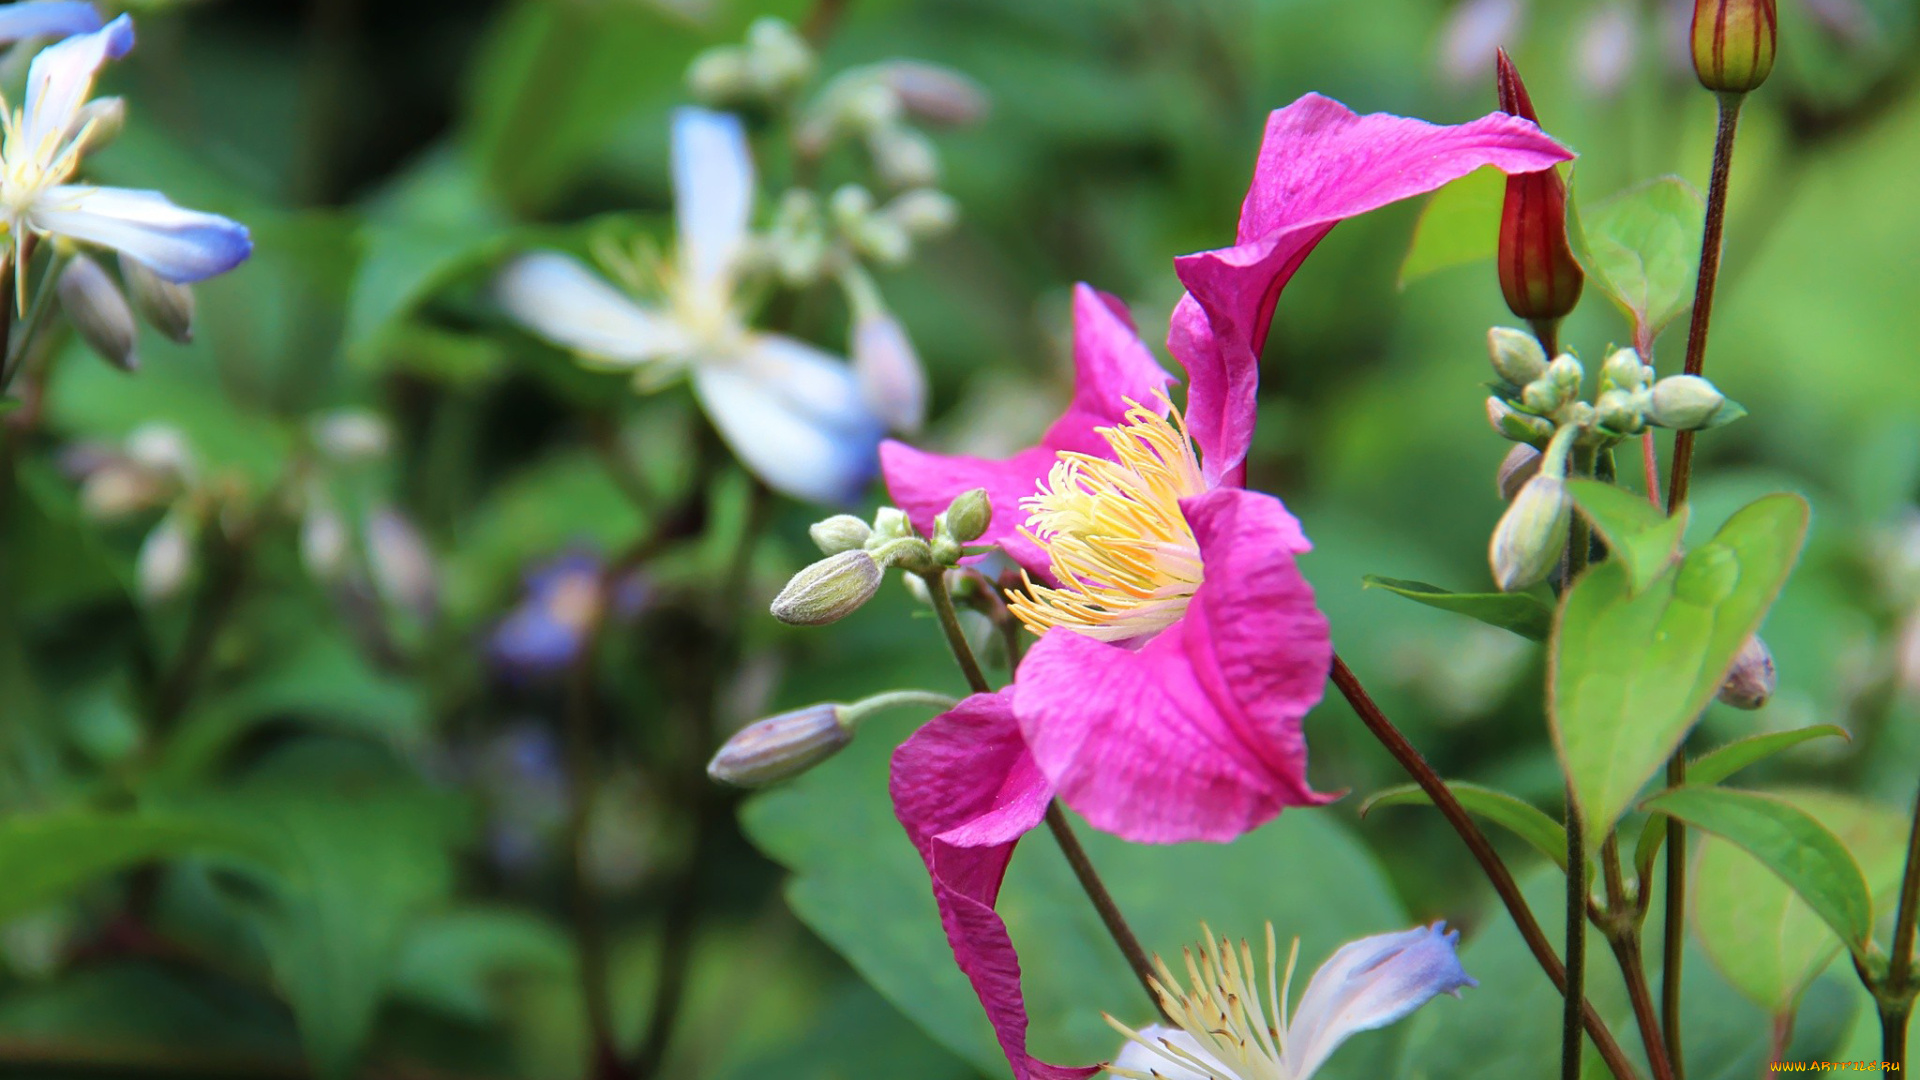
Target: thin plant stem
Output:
[
  {"x": 1682, "y": 469},
  {"x": 1622, "y": 929},
  {"x": 1781, "y": 1036},
  {"x": 1483, "y": 852},
  {"x": 1674, "y": 921},
  {"x": 1576, "y": 949},
  {"x": 1896, "y": 997},
  {"x": 1123, "y": 936}
]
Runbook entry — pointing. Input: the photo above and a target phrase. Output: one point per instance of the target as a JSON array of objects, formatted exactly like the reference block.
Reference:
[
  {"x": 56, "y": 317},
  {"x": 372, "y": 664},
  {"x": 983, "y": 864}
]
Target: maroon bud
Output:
[
  {"x": 1733, "y": 43},
  {"x": 1538, "y": 275}
]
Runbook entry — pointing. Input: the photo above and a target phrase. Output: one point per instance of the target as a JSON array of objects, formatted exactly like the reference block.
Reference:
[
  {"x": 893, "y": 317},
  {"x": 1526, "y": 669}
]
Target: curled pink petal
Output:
[
  {"x": 1111, "y": 366},
  {"x": 1194, "y": 735},
  {"x": 1319, "y": 164},
  {"x": 966, "y": 790}
]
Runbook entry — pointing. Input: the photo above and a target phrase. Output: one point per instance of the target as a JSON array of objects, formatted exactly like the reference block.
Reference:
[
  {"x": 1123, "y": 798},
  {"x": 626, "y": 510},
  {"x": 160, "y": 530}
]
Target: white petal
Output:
[
  {"x": 47, "y": 18},
  {"x": 1369, "y": 984},
  {"x": 178, "y": 244},
  {"x": 712, "y": 193},
  {"x": 564, "y": 302},
  {"x": 794, "y": 415},
  {"x": 62, "y": 74},
  {"x": 1137, "y": 1058}
]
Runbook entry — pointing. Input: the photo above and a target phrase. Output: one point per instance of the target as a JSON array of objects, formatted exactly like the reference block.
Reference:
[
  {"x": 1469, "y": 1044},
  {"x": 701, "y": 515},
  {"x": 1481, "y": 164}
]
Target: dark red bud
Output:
[
  {"x": 1733, "y": 43},
  {"x": 1538, "y": 275}
]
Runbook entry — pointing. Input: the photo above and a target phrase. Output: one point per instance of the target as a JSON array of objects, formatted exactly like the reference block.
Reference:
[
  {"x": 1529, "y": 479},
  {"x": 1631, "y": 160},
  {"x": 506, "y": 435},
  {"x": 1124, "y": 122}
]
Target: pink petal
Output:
[
  {"x": 1194, "y": 735},
  {"x": 1111, "y": 366},
  {"x": 1319, "y": 164},
  {"x": 966, "y": 790}
]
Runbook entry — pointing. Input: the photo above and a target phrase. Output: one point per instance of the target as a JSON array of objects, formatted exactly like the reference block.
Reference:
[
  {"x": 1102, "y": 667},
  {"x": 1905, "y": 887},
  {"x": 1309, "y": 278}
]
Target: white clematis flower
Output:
[
  {"x": 1226, "y": 1034},
  {"x": 41, "y": 144},
  {"x": 46, "y": 19},
  {"x": 793, "y": 414}
]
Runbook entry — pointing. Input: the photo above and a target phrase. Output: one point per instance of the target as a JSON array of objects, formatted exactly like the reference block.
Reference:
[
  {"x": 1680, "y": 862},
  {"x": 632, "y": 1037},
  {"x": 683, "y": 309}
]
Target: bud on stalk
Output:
[
  {"x": 781, "y": 746},
  {"x": 98, "y": 312},
  {"x": 829, "y": 590},
  {"x": 167, "y": 306},
  {"x": 1538, "y": 275},
  {"x": 1733, "y": 43},
  {"x": 1752, "y": 681}
]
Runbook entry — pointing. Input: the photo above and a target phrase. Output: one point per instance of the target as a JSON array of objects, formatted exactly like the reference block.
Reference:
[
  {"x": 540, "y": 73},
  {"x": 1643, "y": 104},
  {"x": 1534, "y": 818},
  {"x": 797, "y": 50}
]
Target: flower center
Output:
[
  {"x": 1114, "y": 535},
  {"x": 1241, "y": 1037},
  {"x": 29, "y": 168}
]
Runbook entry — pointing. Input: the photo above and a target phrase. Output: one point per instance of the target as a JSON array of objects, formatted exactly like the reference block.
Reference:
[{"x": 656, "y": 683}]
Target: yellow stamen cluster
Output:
[
  {"x": 1114, "y": 535},
  {"x": 1223, "y": 1011}
]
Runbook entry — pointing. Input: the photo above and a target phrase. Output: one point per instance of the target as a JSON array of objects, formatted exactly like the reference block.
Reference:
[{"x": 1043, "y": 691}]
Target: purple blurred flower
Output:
[{"x": 545, "y": 632}]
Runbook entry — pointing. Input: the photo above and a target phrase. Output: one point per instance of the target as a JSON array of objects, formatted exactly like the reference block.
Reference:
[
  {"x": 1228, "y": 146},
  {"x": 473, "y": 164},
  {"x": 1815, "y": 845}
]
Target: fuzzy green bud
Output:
[
  {"x": 1517, "y": 356},
  {"x": 1542, "y": 396},
  {"x": 780, "y": 747},
  {"x": 969, "y": 515},
  {"x": 902, "y": 156},
  {"x": 1622, "y": 368},
  {"x": 1733, "y": 43},
  {"x": 829, "y": 590},
  {"x": 841, "y": 532},
  {"x": 1566, "y": 374},
  {"x": 1621, "y": 412},
  {"x": 890, "y": 523},
  {"x": 1686, "y": 403},
  {"x": 98, "y": 312},
  {"x": 1753, "y": 680},
  {"x": 1513, "y": 424},
  {"x": 1532, "y": 534}
]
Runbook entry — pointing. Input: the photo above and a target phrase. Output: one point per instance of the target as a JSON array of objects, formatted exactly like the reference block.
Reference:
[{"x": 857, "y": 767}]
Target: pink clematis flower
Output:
[{"x": 1180, "y": 645}]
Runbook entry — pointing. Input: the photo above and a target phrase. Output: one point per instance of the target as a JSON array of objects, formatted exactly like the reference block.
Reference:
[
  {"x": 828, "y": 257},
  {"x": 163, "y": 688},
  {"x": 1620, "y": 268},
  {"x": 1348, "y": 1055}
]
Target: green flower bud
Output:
[
  {"x": 166, "y": 559},
  {"x": 1687, "y": 403},
  {"x": 720, "y": 76},
  {"x": 1622, "y": 412},
  {"x": 1542, "y": 396},
  {"x": 1513, "y": 424},
  {"x": 1623, "y": 369},
  {"x": 166, "y": 306},
  {"x": 1752, "y": 681},
  {"x": 98, "y": 312},
  {"x": 890, "y": 524},
  {"x": 1517, "y": 355},
  {"x": 352, "y": 436},
  {"x": 1520, "y": 465},
  {"x": 968, "y": 516},
  {"x": 780, "y": 747},
  {"x": 924, "y": 212},
  {"x": 829, "y": 590},
  {"x": 1532, "y": 534},
  {"x": 903, "y": 157},
  {"x": 778, "y": 58},
  {"x": 1733, "y": 43},
  {"x": 1566, "y": 373},
  {"x": 841, "y": 532}
]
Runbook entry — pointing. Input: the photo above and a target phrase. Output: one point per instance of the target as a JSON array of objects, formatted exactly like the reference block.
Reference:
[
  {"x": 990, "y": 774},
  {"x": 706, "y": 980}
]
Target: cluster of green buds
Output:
[
  {"x": 858, "y": 555},
  {"x": 883, "y": 106},
  {"x": 1536, "y": 397},
  {"x": 100, "y": 312},
  {"x": 772, "y": 64}
]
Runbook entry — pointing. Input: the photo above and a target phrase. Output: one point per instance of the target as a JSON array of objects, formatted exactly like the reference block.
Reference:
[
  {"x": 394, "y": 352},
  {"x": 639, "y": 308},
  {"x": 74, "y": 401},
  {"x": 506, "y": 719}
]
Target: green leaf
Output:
[
  {"x": 1629, "y": 674},
  {"x": 1460, "y": 224},
  {"x": 1719, "y": 764},
  {"x": 870, "y": 900},
  {"x": 1518, "y": 816},
  {"x": 1791, "y": 843},
  {"x": 1767, "y": 941},
  {"x": 1522, "y": 613},
  {"x": 45, "y": 859},
  {"x": 1641, "y": 246},
  {"x": 452, "y": 961},
  {"x": 1637, "y": 533}
]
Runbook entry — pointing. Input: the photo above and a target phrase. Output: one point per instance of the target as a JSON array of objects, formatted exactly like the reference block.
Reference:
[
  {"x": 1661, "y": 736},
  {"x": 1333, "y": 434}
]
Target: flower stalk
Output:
[{"x": 1897, "y": 994}]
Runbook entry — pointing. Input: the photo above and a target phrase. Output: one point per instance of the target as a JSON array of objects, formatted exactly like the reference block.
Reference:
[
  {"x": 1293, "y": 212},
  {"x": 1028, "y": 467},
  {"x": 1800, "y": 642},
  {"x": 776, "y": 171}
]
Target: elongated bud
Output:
[
  {"x": 166, "y": 558},
  {"x": 1733, "y": 43},
  {"x": 1623, "y": 369},
  {"x": 1538, "y": 275},
  {"x": 889, "y": 373},
  {"x": 1521, "y": 464},
  {"x": 1752, "y": 681},
  {"x": 1532, "y": 534},
  {"x": 781, "y": 746},
  {"x": 166, "y": 306},
  {"x": 1513, "y": 424},
  {"x": 841, "y": 532},
  {"x": 100, "y": 122},
  {"x": 934, "y": 94},
  {"x": 829, "y": 590},
  {"x": 968, "y": 516},
  {"x": 98, "y": 312},
  {"x": 902, "y": 156},
  {"x": 1517, "y": 356},
  {"x": 1690, "y": 403},
  {"x": 924, "y": 212}
]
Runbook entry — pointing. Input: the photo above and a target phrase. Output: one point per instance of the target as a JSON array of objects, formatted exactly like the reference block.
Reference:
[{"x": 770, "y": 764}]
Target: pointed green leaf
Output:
[
  {"x": 1510, "y": 812},
  {"x": 1460, "y": 224},
  {"x": 1522, "y": 613},
  {"x": 1788, "y": 841},
  {"x": 1642, "y": 248},
  {"x": 46, "y": 858},
  {"x": 1718, "y": 765},
  {"x": 1629, "y": 674},
  {"x": 1639, "y": 535}
]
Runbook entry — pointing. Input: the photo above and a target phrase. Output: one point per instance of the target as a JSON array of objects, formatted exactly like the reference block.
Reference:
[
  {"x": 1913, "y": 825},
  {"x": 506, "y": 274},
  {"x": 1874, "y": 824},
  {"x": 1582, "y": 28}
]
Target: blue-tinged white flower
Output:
[
  {"x": 793, "y": 414},
  {"x": 1225, "y": 1031},
  {"x": 46, "y": 19},
  {"x": 41, "y": 144}
]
